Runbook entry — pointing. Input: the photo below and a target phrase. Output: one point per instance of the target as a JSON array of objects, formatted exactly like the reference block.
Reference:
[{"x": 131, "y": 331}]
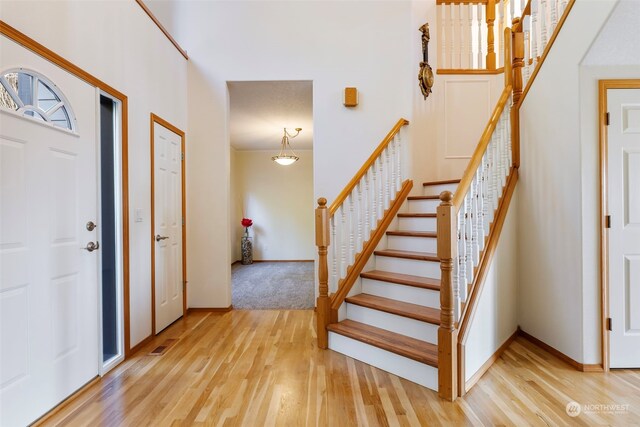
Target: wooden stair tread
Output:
[
  {"x": 400, "y": 308},
  {"x": 441, "y": 182},
  {"x": 436, "y": 197},
  {"x": 403, "y": 279},
  {"x": 417, "y": 215},
  {"x": 420, "y": 256},
  {"x": 412, "y": 233},
  {"x": 402, "y": 345}
]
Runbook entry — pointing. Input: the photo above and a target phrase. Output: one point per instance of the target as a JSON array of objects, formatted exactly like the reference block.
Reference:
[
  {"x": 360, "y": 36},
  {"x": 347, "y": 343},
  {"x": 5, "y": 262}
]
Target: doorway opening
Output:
[
  {"x": 110, "y": 232},
  {"x": 272, "y": 258}
]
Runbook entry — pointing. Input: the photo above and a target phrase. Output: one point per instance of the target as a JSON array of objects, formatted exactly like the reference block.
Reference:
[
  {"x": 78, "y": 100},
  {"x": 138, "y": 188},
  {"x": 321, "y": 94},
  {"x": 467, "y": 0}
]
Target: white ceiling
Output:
[{"x": 260, "y": 110}]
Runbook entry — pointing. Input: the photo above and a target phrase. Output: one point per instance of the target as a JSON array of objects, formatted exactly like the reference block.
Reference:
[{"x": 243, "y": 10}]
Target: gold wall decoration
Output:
[{"x": 425, "y": 75}]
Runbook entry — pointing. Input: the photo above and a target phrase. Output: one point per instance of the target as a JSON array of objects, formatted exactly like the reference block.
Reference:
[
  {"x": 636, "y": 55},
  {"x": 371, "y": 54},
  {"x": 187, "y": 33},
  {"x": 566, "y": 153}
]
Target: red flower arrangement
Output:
[{"x": 246, "y": 223}]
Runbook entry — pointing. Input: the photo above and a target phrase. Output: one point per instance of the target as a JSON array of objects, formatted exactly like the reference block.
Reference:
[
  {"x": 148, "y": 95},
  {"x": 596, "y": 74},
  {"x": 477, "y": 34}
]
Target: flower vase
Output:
[{"x": 247, "y": 250}]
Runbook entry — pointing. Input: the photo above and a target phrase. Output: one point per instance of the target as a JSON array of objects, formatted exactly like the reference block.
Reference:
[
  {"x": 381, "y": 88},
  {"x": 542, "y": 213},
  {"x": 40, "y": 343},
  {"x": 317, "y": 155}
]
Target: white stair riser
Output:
[
  {"x": 417, "y": 224},
  {"x": 408, "y": 266},
  {"x": 404, "y": 293},
  {"x": 392, "y": 322},
  {"x": 434, "y": 190},
  {"x": 423, "y": 206},
  {"x": 416, "y": 244},
  {"x": 409, "y": 369}
]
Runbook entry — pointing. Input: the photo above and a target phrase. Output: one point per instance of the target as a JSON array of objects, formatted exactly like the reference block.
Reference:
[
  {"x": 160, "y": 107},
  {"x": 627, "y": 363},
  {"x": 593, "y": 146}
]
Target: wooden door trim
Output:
[
  {"x": 159, "y": 120},
  {"x": 603, "y": 87},
  {"x": 42, "y": 51}
]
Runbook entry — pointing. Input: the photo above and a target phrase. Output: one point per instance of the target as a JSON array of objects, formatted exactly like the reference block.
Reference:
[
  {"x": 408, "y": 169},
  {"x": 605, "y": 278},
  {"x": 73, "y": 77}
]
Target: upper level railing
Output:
[
  {"x": 350, "y": 223},
  {"x": 469, "y": 30}
]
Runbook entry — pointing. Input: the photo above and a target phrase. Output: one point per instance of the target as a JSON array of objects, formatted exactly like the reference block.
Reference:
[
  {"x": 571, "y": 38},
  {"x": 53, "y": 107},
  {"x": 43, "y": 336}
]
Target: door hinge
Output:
[
  {"x": 183, "y": 221},
  {"x": 607, "y": 221},
  {"x": 607, "y": 119},
  {"x": 609, "y": 328},
  {"x": 182, "y": 154}
]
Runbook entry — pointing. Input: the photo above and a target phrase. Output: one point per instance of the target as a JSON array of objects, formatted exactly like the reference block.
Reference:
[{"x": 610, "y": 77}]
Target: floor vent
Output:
[{"x": 162, "y": 349}]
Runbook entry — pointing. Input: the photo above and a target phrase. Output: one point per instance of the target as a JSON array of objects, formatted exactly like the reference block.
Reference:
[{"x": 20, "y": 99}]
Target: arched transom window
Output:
[{"x": 33, "y": 95}]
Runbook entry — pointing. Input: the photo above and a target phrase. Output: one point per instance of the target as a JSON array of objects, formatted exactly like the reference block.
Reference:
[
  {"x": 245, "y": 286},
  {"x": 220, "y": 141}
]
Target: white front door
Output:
[
  {"x": 167, "y": 236},
  {"x": 624, "y": 235},
  {"x": 49, "y": 336}
]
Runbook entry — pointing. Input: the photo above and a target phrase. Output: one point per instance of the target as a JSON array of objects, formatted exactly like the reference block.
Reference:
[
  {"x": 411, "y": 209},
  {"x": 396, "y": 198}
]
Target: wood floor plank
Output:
[{"x": 257, "y": 368}]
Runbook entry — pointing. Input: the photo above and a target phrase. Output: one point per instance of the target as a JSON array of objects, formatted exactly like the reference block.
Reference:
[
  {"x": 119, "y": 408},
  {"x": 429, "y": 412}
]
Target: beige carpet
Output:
[{"x": 273, "y": 285}]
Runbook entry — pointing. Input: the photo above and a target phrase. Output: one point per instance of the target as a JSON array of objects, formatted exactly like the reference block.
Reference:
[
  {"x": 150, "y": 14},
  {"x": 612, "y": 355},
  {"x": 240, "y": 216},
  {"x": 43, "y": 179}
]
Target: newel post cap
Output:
[
  {"x": 446, "y": 197},
  {"x": 322, "y": 202}
]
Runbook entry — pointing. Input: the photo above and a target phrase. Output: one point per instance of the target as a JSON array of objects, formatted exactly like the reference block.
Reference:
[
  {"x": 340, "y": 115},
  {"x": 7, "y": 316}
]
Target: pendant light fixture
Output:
[{"x": 285, "y": 158}]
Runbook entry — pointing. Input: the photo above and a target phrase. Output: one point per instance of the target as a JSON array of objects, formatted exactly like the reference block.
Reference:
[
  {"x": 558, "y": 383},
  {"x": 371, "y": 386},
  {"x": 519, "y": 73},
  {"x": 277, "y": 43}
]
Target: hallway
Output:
[{"x": 259, "y": 368}]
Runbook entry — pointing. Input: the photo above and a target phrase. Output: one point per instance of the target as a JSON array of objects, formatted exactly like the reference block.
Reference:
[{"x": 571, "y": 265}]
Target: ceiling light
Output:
[{"x": 286, "y": 158}]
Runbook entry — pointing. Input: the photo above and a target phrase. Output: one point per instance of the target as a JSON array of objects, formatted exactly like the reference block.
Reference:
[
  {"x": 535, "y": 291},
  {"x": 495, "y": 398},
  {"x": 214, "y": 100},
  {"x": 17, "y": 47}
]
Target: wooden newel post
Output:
[
  {"x": 323, "y": 303},
  {"x": 447, "y": 333},
  {"x": 491, "y": 49},
  {"x": 517, "y": 45}
]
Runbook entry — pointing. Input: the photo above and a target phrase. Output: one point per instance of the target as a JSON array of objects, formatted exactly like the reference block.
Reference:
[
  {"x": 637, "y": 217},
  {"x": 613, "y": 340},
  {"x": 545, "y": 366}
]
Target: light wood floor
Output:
[{"x": 262, "y": 368}]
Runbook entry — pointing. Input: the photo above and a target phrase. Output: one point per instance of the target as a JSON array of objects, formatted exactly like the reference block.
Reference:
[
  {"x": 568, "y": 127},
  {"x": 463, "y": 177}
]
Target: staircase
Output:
[
  {"x": 393, "y": 324},
  {"x": 400, "y": 276}
]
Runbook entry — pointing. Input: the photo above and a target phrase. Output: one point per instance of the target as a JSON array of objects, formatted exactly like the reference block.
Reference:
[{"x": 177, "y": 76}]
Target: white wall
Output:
[
  {"x": 334, "y": 44},
  {"x": 496, "y": 316},
  {"x": 555, "y": 295},
  {"x": 118, "y": 43},
  {"x": 279, "y": 200}
]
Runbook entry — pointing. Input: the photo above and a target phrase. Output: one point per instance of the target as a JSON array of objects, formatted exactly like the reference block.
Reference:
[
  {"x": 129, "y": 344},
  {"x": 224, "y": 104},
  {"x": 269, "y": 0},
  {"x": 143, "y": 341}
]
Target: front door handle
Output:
[
  {"x": 92, "y": 246},
  {"x": 159, "y": 237}
]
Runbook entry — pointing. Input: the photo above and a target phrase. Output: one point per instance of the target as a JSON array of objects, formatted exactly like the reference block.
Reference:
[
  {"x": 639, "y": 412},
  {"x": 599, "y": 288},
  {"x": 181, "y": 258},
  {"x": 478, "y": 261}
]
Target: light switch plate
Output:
[{"x": 139, "y": 215}]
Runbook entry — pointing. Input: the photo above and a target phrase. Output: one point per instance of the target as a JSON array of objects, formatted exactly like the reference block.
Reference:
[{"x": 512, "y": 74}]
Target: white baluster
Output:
[
  {"x": 388, "y": 166},
  {"x": 500, "y": 10},
  {"x": 469, "y": 243},
  {"x": 480, "y": 44},
  {"x": 512, "y": 6},
  {"x": 359, "y": 216},
  {"x": 394, "y": 170},
  {"x": 543, "y": 25},
  {"x": 496, "y": 179},
  {"x": 444, "y": 25},
  {"x": 460, "y": 30},
  {"x": 374, "y": 196},
  {"x": 343, "y": 242},
  {"x": 475, "y": 238},
  {"x": 352, "y": 226},
  {"x": 381, "y": 204},
  {"x": 535, "y": 29},
  {"x": 486, "y": 190},
  {"x": 481, "y": 197},
  {"x": 526, "y": 28},
  {"x": 468, "y": 35},
  {"x": 554, "y": 15},
  {"x": 401, "y": 175},
  {"x": 334, "y": 254},
  {"x": 462, "y": 248},
  {"x": 452, "y": 38},
  {"x": 563, "y": 7},
  {"x": 509, "y": 146},
  {"x": 367, "y": 207}
]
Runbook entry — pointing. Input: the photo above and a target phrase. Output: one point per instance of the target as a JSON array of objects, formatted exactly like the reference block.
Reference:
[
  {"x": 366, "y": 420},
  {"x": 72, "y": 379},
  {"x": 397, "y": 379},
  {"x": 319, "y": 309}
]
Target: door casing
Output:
[
  {"x": 603, "y": 87},
  {"x": 159, "y": 120}
]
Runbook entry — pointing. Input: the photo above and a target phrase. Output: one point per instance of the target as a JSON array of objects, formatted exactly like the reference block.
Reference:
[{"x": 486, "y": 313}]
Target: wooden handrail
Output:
[
  {"x": 345, "y": 285},
  {"x": 467, "y": 178},
  {"x": 365, "y": 167}
]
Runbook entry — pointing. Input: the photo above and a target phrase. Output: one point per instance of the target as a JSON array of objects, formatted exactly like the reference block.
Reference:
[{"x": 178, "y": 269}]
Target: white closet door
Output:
[
  {"x": 167, "y": 148},
  {"x": 624, "y": 235}
]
